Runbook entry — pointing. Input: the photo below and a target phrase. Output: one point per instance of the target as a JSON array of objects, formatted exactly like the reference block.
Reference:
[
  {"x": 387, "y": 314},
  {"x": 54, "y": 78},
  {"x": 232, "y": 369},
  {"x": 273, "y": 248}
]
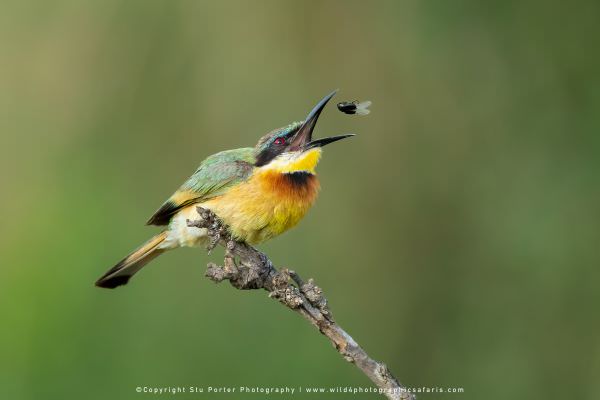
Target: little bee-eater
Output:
[{"x": 257, "y": 192}]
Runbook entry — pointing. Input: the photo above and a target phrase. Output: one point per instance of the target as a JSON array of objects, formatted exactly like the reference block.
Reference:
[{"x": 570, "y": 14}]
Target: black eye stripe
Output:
[
  {"x": 265, "y": 156},
  {"x": 270, "y": 149}
]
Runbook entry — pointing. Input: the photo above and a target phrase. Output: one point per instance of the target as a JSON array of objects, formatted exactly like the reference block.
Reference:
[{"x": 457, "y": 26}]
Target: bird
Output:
[{"x": 258, "y": 193}]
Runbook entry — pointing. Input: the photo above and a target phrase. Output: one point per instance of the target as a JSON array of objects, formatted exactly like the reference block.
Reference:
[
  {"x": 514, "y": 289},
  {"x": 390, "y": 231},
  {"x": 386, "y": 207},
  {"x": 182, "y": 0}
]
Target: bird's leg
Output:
[
  {"x": 212, "y": 242},
  {"x": 215, "y": 228}
]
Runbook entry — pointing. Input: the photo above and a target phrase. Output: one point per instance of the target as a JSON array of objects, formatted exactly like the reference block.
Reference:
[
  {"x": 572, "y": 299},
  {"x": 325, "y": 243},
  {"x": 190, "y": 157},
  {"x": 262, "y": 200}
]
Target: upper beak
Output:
[{"x": 303, "y": 138}]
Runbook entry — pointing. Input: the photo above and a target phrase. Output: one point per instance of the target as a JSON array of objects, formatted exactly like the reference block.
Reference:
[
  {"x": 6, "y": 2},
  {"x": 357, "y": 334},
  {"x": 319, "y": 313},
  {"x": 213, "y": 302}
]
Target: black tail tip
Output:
[{"x": 113, "y": 282}]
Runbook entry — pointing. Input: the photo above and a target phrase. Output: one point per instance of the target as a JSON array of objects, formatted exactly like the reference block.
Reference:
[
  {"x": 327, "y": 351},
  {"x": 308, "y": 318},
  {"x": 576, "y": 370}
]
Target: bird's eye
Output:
[{"x": 279, "y": 140}]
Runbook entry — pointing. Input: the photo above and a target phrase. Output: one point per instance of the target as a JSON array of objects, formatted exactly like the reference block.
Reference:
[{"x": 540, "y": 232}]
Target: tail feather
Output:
[{"x": 127, "y": 267}]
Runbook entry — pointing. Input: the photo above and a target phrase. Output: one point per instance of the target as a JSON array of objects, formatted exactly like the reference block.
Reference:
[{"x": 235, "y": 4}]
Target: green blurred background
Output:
[{"x": 456, "y": 237}]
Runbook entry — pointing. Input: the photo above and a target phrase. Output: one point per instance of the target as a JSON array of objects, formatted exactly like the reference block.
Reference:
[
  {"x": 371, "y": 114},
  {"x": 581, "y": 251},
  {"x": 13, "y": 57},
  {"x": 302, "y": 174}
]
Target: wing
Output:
[
  {"x": 213, "y": 177},
  {"x": 362, "y": 108}
]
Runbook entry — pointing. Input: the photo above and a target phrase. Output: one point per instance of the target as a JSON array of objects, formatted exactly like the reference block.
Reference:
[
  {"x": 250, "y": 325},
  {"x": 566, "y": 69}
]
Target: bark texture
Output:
[{"x": 247, "y": 268}]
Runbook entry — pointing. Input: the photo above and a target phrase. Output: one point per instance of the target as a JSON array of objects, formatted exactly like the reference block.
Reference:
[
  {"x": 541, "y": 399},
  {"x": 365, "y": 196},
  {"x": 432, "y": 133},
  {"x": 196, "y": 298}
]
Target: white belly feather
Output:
[{"x": 181, "y": 235}]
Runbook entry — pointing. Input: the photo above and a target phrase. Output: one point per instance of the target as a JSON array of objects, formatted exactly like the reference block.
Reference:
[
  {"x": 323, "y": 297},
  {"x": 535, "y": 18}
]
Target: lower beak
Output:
[
  {"x": 327, "y": 140},
  {"x": 303, "y": 138}
]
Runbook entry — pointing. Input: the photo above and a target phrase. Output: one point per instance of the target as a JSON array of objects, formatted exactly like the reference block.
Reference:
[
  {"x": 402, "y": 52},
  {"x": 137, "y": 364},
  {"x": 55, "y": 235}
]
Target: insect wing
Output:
[{"x": 363, "y": 108}]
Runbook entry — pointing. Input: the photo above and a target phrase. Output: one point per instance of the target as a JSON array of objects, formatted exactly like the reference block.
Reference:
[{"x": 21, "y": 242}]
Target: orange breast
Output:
[
  {"x": 266, "y": 205},
  {"x": 301, "y": 187}
]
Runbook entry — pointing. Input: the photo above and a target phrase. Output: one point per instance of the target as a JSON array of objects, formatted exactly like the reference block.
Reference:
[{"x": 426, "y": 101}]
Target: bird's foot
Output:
[{"x": 216, "y": 229}]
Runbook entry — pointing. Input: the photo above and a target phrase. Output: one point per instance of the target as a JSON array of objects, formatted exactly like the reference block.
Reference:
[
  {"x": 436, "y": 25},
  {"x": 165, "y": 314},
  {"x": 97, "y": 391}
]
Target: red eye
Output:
[{"x": 279, "y": 140}]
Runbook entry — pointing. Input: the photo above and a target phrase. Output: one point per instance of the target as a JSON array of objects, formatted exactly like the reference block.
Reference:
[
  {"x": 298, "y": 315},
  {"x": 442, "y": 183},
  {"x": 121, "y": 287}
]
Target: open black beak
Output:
[{"x": 303, "y": 138}]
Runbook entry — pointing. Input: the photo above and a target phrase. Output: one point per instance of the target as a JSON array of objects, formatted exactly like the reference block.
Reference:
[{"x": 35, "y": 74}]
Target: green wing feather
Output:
[{"x": 213, "y": 177}]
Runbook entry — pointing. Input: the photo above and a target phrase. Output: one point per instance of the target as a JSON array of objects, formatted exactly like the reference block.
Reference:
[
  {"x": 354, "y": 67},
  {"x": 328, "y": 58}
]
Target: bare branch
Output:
[{"x": 247, "y": 268}]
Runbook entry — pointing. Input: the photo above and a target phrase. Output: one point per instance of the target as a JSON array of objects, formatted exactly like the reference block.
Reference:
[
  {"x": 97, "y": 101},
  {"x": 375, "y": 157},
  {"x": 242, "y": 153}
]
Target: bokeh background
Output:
[{"x": 456, "y": 236}]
